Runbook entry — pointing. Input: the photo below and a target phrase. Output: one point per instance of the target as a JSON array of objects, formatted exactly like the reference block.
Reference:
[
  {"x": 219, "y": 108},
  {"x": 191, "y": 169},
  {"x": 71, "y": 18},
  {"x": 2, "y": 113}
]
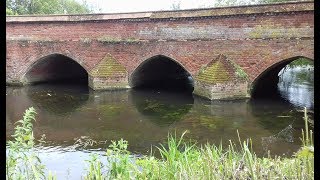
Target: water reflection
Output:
[
  {"x": 69, "y": 114},
  {"x": 161, "y": 107},
  {"x": 60, "y": 99},
  {"x": 296, "y": 86}
]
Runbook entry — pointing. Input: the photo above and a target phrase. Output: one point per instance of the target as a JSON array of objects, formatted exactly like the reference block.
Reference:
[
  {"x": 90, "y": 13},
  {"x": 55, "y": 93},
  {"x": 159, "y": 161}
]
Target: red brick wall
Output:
[
  {"x": 254, "y": 41},
  {"x": 254, "y": 56}
]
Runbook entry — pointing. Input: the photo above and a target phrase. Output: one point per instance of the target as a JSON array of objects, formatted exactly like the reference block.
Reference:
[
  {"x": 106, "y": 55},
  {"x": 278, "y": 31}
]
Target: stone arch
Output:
[
  {"x": 137, "y": 76},
  {"x": 268, "y": 78},
  {"x": 52, "y": 67}
]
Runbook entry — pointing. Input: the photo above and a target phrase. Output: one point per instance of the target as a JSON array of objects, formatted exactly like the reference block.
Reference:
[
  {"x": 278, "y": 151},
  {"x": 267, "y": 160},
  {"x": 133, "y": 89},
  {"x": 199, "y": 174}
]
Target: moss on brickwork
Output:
[
  {"x": 115, "y": 40},
  {"x": 240, "y": 73},
  {"x": 215, "y": 73},
  {"x": 105, "y": 39},
  {"x": 108, "y": 67},
  {"x": 86, "y": 40},
  {"x": 24, "y": 43},
  {"x": 221, "y": 70},
  {"x": 269, "y": 30}
]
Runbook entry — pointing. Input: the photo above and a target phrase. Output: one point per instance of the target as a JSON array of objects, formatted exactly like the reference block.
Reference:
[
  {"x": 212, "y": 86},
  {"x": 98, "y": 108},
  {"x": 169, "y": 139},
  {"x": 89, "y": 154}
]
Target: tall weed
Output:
[{"x": 22, "y": 162}]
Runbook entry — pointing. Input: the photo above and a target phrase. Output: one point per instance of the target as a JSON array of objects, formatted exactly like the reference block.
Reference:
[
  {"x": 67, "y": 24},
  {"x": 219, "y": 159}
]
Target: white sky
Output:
[{"x": 111, "y": 6}]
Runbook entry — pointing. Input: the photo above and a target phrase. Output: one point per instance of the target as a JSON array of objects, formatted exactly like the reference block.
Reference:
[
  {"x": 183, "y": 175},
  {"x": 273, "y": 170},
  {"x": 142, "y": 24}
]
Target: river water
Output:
[{"x": 78, "y": 121}]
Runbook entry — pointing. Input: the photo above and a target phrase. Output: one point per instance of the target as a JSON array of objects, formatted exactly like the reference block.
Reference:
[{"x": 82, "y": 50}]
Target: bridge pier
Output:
[
  {"x": 229, "y": 90},
  {"x": 221, "y": 79},
  {"x": 109, "y": 74},
  {"x": 105, "y": 83}
]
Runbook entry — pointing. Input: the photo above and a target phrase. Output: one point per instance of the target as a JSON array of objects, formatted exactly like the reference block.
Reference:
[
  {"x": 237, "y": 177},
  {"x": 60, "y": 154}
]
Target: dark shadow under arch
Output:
[
  {"x": 56, "y": 68},
  {"x": 161, "y": 72},
  {"x": 265, "y": 85}
]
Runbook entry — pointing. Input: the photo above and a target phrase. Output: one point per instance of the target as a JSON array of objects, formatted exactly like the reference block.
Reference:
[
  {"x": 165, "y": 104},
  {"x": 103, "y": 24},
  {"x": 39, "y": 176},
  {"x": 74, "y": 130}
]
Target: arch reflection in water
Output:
[
  {"x": 58, "y": 99},
  {"x": 111, "y": 115},
  {"x": 214, "y": 121},
  {"x": 162, "y": 108},
  {"x": 55, "y": 104}
]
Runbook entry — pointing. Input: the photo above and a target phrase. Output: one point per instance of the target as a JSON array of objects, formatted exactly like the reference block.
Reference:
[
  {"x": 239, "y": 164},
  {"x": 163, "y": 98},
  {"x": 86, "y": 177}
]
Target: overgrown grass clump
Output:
[
  {"x": 179, "y": 160},
  {"x": 182, "y": 160},
  {"x": 185, "y": 161}
]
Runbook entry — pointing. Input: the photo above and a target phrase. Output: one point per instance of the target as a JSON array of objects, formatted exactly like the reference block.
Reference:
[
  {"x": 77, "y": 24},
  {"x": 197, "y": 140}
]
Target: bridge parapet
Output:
[{"x": 267, "y": 9}]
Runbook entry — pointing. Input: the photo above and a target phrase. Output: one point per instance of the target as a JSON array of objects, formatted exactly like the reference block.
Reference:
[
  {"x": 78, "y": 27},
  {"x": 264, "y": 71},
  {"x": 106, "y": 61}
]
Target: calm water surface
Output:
[{"x": 73, "y": 116}]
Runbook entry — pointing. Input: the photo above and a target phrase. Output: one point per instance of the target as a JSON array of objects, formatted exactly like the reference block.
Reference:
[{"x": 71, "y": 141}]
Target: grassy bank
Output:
[{"x": 180, "y": 160}]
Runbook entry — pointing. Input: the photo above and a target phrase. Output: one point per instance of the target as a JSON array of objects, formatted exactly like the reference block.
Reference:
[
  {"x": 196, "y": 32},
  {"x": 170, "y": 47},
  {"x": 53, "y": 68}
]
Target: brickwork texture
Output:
[{"x": 214, "y": 45}]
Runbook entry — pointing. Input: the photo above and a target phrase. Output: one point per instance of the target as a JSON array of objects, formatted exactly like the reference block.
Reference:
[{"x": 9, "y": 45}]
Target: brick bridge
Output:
[{"x": 229, "y": 52}]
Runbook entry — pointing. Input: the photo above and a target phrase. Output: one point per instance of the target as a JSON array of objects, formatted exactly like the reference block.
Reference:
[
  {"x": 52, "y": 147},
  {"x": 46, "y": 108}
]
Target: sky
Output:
[{"x": 113, "y": 6}]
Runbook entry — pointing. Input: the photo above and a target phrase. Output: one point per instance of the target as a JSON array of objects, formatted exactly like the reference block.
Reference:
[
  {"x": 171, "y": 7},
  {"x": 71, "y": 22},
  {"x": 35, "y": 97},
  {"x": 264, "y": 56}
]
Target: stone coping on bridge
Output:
[{"x": 274, "y": 8}]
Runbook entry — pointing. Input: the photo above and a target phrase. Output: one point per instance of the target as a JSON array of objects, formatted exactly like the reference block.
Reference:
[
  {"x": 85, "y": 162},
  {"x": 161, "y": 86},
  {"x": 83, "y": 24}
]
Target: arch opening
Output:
[
  {"x": 161, "y": 73},
  {"x": 290, "y": 80},
  {"x": 56, "y": 68}
]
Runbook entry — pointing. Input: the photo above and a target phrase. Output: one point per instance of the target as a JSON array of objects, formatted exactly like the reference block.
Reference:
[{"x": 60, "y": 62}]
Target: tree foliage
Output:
[
  {"x": 22, "y": 7},
  {"x": 9, "y": 11},
  {"x": 225, "y": 3},
  {"x": 219, "y": 3}
]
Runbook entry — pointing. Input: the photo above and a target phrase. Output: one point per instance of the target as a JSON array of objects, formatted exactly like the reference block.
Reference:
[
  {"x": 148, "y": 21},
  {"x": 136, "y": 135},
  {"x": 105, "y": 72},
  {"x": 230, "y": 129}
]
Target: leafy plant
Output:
[
  {"x": 118, "y": 159},
  {"x": 21, "y": 161},
  {"x": 95, "y": 168}
]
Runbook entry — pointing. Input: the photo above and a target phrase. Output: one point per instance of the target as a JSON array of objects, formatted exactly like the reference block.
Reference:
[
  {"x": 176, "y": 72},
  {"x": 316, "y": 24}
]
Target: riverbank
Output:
[{"x": 180, "y": 159}]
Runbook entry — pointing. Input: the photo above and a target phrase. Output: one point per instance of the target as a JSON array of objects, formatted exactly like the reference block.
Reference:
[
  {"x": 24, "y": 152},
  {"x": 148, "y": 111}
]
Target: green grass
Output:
[
  {"x": 180, "y": 159},
  {"x": 300, "y": 62}
]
